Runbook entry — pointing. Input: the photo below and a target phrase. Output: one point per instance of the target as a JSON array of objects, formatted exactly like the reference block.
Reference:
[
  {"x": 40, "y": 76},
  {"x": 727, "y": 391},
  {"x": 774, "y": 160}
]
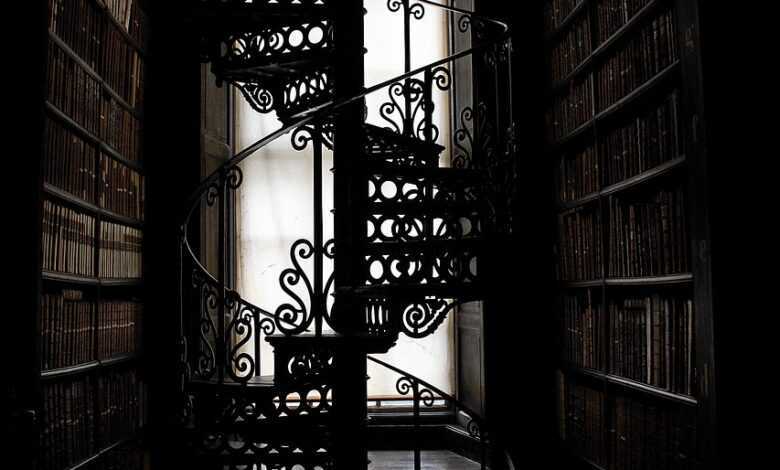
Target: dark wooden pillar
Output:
[
  {"x": 21, "y": 350},
  {"x": 518, "y": 325},
  {"x": 172, "y": 158}
]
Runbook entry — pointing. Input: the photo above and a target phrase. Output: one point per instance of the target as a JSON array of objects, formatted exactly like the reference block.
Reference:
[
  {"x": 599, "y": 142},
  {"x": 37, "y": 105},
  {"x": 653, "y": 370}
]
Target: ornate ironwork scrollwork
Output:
[
  {"x": 259, "y": 97},
  {"x": 421, "y": 318},
  {"x": 415, "y": 10},
  {"x": 474, "y": 140},
  {"x": 295, "y": 317},
  {"x": 305, "y": 366},
  {"x": 297, "y": 313},
  {"x": 209, "y": 298}
]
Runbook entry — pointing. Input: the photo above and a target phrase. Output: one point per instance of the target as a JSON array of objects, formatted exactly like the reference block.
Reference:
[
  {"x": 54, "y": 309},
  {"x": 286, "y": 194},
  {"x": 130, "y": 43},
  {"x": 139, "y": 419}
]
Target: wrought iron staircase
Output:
[{"x": 421, "y": 244}]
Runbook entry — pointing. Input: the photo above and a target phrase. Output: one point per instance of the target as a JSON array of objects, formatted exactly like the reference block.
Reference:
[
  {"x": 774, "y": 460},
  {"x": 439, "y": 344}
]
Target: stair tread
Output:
[
  {"x": 359, "y": 340},
  {"x": 403, "y": 139},
  {"x": 417, "y": 244},
  {"x": 456, "y": 290},
  {"x": 426, "y": 172},
  {"x": 263, "y": 381}
]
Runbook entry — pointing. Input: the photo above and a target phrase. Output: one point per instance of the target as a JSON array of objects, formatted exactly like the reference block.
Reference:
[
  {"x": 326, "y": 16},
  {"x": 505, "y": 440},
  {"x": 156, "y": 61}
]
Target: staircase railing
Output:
[
  {"x": 424, "y": 395},
  {"x": 226, "y": 327}
]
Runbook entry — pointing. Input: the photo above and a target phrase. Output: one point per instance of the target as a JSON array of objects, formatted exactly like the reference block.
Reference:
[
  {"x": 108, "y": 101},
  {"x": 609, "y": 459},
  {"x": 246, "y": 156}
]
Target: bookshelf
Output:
[
  {"x": 633, "y": 302},
  {"x": 91, "y": 389}
]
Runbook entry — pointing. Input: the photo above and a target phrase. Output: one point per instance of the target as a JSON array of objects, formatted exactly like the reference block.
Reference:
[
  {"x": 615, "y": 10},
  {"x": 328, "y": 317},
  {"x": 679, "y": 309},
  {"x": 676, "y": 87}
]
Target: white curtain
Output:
[{"x": 274, "y": 205}]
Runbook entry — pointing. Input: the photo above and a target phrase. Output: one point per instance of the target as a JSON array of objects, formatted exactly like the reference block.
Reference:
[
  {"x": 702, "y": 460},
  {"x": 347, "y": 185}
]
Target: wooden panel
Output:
[{"x": 470, "y": 356}]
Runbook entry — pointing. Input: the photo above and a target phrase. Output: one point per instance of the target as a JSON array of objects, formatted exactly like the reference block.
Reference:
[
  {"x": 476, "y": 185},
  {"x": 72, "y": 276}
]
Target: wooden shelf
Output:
[
  {"x": 75, "y": 279},
  {"x": 100, "y": 454},
  {"x": 685, "y": 278},
  {"x": 87, "y": 68},
  {"x": 563, "y": 26},
  {"x": 130, "y": 40},
  {"x": 104, "y": 147},
  {"x": 582, "y": 284},
  {"x": 629, "y": 384},
  {"x": 587, "y": 126},
  {"x": 640, "y": 91},
  {"x": 82, "y": 204},
  {"x": 672, "y": 279},
  {"x": 87, "y": 367},
  {"x": 644, "y": 177},
  {"x": 628, "y": 183}
]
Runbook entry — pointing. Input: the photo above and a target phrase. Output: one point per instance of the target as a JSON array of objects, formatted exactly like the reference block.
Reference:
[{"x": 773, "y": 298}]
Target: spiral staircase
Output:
[{"x": 416, "y": 236}]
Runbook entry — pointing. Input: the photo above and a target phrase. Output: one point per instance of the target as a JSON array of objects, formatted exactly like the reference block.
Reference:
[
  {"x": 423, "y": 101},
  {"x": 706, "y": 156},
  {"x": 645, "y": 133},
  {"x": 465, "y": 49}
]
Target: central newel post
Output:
[{"x": 349, "y": 394}]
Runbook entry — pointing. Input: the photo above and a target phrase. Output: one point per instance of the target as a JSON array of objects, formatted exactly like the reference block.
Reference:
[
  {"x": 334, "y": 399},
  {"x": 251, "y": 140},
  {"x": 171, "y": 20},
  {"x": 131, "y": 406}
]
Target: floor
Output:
[{"x": 431, "y": 460}]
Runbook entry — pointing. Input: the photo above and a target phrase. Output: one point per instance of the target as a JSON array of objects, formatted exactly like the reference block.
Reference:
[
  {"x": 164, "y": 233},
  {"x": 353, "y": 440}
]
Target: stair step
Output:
[
  {"x": 463, "y": 292},
  {"x": 438, "y": 173},
  {"x": 361, "y": 342},
  {"x": 232, "y": 17},
  {"x": 426, "y": 209},
  {"x": 418, "y": 246},
  {"x": 379, "y": 135}
]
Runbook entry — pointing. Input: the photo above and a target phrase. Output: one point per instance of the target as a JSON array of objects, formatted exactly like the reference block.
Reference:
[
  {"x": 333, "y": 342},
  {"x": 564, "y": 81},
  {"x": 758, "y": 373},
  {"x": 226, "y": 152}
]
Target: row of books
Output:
[
  {"x": 79, "y": 95},
  {"x": 117, "y": 322},
  {"x": 613, "y": 14},
  {"x": 624, "y": 432},
  {"x": 68, "y": 240},
  {"x": 68, "y": 329},
  {"x": 118, "y": 405},
  {"x": 648, "y": 237},
  {"x": 649, "y": 435},
  {"x": 69, "y": 162},
  {"x": 570, "y": 110},
  {"x": 70, "y": 165},
  {"x": 72, "y": 431},
  {"x": 651, "y": 341},
  {"x": 645, "y": 55},
  {"x": 582, "y": 314},
  {"x": 121, "y": 130},
  {"x": 120, "y": 251},
  {"x": 582, "y": 420},
  {"x": 138, "y": 25},
  {"x": 88, "y": 31},
  {"x": 67, "y": 334},
  {"x": 571, "y": 50},
  {"x": 643, "y": 143},
  {"x": 580, "y": 254},
  {"x": 579, "y": 175},
  {"x": 636, "y": 146},
  {"x": 126, "y": 457},
  {"x": 121, "y": 10},
  {"x": 556, "y": 11},
  {"x": 73, "y": 90},
  {"x": 123, "y": 189},
  {"x": 67, "y": 424}
]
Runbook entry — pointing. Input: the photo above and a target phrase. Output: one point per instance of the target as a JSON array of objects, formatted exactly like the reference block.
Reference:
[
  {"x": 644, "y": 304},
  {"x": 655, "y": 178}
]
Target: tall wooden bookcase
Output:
[
  {"x": 633, "y": 302},
  {"x": 90, "y": 391}
]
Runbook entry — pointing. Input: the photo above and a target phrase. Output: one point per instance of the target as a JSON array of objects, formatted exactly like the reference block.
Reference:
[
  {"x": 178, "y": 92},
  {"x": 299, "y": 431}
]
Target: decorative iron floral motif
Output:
[
  {"x": 475, "y": 139},
  {"x": 411, "y": 107},
  {"x": 297, "y": 316},
  {"x": 209, "y": 297},
  {"x": 422, "y": 318},
  {"x": 412, "y": 9}
]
